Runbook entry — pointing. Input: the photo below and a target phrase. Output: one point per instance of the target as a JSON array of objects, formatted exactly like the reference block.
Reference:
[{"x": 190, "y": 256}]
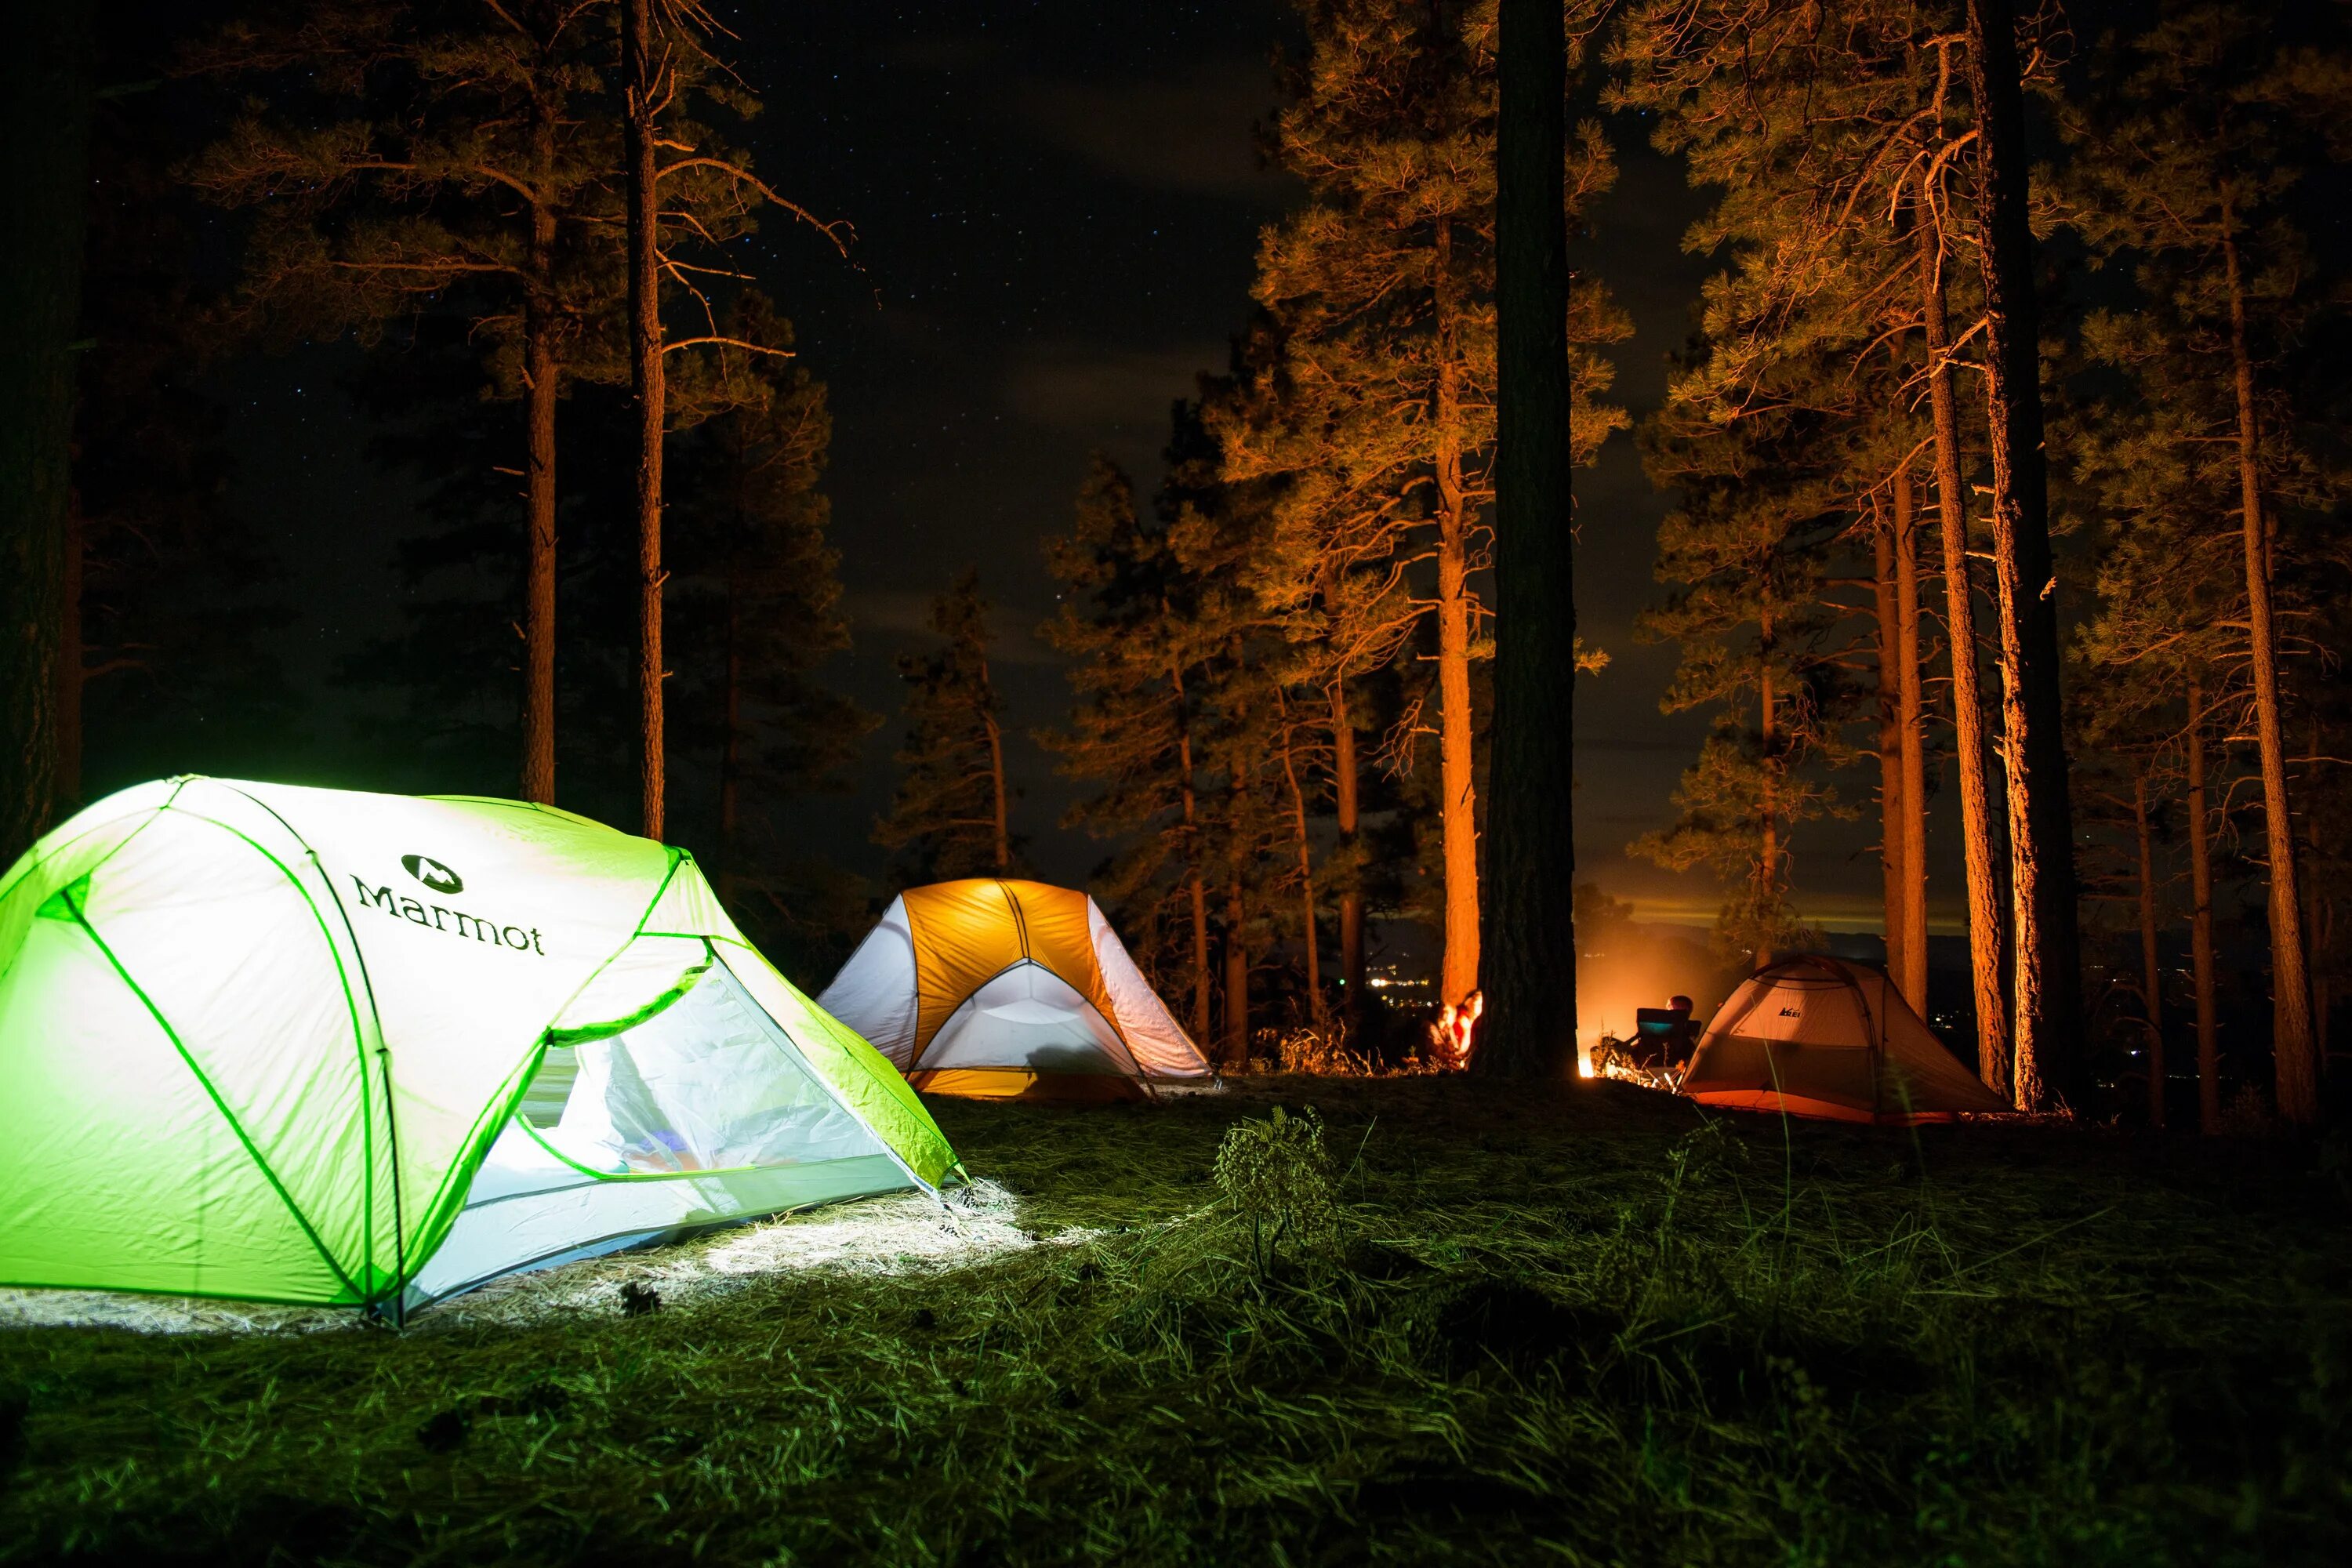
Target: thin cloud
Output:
[
  {"x": 1101, "y": 394},
  {"x": 1194, "y": 134}
]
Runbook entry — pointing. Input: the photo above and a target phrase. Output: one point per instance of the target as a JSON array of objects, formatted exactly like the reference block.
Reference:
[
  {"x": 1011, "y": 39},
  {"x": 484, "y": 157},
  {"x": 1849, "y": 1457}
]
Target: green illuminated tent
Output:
[{"x": 306, "y": 1045}]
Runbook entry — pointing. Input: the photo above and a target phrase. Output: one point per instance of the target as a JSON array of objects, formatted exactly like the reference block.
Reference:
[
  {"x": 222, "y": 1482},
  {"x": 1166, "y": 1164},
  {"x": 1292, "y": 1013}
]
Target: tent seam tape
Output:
[
  {"x": 218, "y": 1103},
  {"x": 153, "y": 813},
  {"x": 351, "y": 1008},
  {"x": 384, "y": 1054}
]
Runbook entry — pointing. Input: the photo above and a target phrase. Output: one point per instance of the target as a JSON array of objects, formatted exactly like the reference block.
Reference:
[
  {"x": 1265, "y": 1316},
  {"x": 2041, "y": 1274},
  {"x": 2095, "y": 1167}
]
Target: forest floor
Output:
[{"x": 1581, "y": 1325}]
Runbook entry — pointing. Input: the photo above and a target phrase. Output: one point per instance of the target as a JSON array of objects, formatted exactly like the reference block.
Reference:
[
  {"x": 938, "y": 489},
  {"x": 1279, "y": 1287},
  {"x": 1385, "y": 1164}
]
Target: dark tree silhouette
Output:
[
  {"x": 45, "y": 98},
  {"x": 1529, "y": 967}
]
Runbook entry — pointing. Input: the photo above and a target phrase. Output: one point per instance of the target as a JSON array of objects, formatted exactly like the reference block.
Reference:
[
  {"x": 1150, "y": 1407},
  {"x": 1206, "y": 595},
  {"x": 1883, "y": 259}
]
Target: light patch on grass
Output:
[
  {"x": 903, "y": 1233},
  {"x": 162, "y": 1314}
]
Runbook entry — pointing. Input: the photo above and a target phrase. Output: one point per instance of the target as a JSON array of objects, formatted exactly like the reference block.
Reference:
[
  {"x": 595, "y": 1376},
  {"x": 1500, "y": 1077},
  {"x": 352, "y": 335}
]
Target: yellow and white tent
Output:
[
  {"x": 1010, "y": 990},
  {"x": 1821, "y": 1036}
]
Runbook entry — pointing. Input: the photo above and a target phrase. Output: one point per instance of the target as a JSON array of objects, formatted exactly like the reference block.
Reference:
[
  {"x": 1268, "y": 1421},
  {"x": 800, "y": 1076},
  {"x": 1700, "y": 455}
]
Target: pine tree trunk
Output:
[
  {"x": 542, "y": 381},
  {"x": 1457, "y": 805},
  {"x": 1237, "y": 1027},
  {"x": 2291, "y": 1034},
  {"x": 44, "y": 140},
  {"x": 1767, "y": 858},
  {"x": 1344, "y": 787},
  {"x": 1197, "y": 892},
  {"x": 1910, "y": 716},
  {"x": 1893, "y": 873},
  {"x": 1529, "y": 1026},
  {"x": 642, "y": 87},
  {"x": 1000, "y": 812},
  {"x": 2045, "y": 1052},
  {"x": 2318, "y": 931},
  {"x": 1310, "y": 938},
  {"x": 1202, "y": 983},
  {"x": 1987, "y": 933},
  {"x": 2151, "y": 969},
  {"x": 2201, "y": 922},
  {"x": 72, "y": 660},
  {"x": 730, "y": 759}
]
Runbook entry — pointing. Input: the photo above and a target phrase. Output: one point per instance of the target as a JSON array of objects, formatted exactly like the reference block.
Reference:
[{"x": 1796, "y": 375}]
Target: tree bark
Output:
[
  {"x": 2201, "y": 922},
  {"x": 72, "y": 660},
  {"x": 643, "y": 88},
  {"x": 1768, "y": 859},
  {"x": 1237, "y": 1029},
  {"x": 542, "y": 385},
  {"x": 2151, "y": 969},
  {"x": 1457, "y": 803},
  {"x": 1528, "y": 1029},
  {"x": 1346, "y": 804},
  {"x": 1987, "y": 933},
  {"x": 1309, "y": 938},
  {"x": 1196, "y": 891},
  {"x": 2045, "y": 974},
  {"x": 1000, "y": 813},
  {"x": 1910, "y": 716},
  {"x": 1893, "y": 872},
  {"x": 45, "y": 143},
  {"x": 730, "y": 759},
  {"x": 2297, "y": 1065}
]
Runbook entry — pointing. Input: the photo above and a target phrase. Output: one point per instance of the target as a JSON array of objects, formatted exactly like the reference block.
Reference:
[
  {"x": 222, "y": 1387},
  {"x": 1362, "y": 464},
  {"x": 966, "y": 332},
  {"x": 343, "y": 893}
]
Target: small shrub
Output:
[
  {"x": 1326, "y": 1048},
  {"x": 1276, "y": 1175},
  {"x": 2248, "y": 1114}
]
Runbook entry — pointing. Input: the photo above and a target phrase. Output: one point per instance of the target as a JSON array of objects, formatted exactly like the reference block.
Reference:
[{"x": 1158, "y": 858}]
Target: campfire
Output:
[{"x": 1455, "y": 1033}]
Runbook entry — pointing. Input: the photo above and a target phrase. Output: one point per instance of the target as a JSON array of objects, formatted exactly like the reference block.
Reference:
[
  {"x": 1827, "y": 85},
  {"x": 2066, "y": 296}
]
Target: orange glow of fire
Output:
[{"x": 1455, "y": 1033}]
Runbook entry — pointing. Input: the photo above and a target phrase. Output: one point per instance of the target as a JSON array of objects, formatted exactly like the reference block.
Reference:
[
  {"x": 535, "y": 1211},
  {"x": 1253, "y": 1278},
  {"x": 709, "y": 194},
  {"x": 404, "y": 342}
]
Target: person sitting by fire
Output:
[{"x": 1663, "y": 1038}]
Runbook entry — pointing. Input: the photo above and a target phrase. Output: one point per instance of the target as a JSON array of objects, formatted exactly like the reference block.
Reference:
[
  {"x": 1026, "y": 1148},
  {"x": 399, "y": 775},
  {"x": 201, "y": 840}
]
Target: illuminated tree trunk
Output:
[
  {"x": 2291, "y": 1034},
  {"x": 541, "y": 385},
  {"x": 44, "y": 140},
  {"x": 1457, "y": 813},
  {"x": 1912, "y": 743},
  {"x": 642, "y": 87},
  {"x": 2151, "y": 969},
  {"x": 1529, "y": 1026},
  {"x": 2201, "y": 922},
  {"x": 1768, "y": 859},
  {"x": 2044, "y": 975},
  {"x": 1344, "y": 786},
  {"x": 1308, "y": 937},
  {"x": 1893, "y": 873},
  {"x": 1987, "y": 935}
]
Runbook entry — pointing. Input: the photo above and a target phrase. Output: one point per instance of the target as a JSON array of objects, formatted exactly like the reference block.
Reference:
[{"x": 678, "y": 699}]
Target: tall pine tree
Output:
[{"x": 951, "y": 814}]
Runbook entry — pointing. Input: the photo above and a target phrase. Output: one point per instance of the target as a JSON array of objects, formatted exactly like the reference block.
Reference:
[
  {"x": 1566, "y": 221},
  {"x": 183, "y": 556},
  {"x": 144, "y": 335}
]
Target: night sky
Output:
[{"x": 1056, "y": 207}]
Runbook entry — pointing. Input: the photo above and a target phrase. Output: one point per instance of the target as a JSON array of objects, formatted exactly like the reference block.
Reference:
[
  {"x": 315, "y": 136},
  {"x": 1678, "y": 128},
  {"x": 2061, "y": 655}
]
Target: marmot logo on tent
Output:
[
  {"x": 432, "y": 874},
  {"x": 434, "y": 916}
]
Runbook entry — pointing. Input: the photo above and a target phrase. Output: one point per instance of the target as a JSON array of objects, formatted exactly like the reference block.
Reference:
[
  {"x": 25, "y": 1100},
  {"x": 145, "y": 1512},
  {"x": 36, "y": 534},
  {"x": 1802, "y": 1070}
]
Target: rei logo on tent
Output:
[
  {"x": 1785, "y": 1011},
  {"x": 432, "y": 874}
]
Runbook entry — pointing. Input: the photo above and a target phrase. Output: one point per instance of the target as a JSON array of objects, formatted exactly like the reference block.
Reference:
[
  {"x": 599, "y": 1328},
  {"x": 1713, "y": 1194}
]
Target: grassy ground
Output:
[{"x": 1546, "y": 1327}]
